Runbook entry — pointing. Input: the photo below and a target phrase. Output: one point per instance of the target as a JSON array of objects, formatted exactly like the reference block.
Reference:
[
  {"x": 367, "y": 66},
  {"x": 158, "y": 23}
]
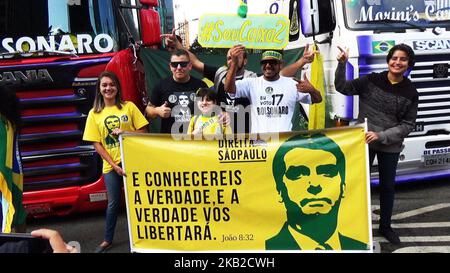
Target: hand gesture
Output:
[
  {"x": 172, "y": 40},
  {"x": 343, "y": 54},
  {"x": 308, "y": 54},
  {"x": 164, "y": 110},
  {"x": 237, "y": 51},
  {"x": 304, "y": 86}
]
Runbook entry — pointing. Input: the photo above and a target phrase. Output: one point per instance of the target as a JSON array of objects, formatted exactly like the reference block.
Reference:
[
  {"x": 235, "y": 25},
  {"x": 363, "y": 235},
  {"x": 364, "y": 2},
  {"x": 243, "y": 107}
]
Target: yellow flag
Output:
[{"x": 317, "y": 110}]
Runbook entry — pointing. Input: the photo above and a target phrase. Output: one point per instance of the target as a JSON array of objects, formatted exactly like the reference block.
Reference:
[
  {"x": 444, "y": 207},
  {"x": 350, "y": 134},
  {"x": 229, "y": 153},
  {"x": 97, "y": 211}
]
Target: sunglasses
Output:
[
  {"x": 175, "y": 64},
  {"x": 271, "y": 62}
]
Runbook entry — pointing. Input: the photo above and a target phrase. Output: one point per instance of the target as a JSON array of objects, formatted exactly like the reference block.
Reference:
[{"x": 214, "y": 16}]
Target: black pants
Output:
[{"x": 387, "y": 167}]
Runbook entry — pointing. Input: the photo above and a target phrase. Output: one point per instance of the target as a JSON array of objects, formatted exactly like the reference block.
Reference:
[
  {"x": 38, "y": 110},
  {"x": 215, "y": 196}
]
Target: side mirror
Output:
[
  {"x": 317, "y": 17},
  {"x": 309, "y": 17}
]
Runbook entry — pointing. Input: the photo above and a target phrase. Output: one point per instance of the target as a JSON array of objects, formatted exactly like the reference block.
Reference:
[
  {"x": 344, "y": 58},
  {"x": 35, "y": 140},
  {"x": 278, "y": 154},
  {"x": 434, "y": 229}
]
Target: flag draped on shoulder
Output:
[
  {"x": 317, "y": 110},
  {"x": 11, "y": 179}
]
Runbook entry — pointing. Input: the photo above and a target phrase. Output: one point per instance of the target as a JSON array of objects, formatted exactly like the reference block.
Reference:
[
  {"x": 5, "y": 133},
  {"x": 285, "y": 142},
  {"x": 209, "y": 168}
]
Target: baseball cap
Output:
[{"x": 271, "y": 55}]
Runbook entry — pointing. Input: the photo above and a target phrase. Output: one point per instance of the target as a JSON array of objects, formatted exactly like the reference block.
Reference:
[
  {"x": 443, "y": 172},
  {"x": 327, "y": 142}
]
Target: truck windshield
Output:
[
  {"x": 36, "y": 28},
  {"x": 396, "y": 14}
]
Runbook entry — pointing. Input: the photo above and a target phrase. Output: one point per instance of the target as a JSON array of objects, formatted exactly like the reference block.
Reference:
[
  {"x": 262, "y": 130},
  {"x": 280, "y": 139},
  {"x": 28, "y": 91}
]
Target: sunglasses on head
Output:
[
  {"x": 271, "y": 62},
  {"x": 175, "y": 64}
]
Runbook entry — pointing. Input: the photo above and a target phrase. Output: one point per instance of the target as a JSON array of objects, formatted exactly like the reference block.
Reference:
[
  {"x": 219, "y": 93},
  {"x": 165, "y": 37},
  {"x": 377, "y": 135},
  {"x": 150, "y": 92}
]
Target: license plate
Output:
[
  {"x": 436, "y": 160},
  {"x": 96, "y": 197},
  {"x": 36, "y": 209}
]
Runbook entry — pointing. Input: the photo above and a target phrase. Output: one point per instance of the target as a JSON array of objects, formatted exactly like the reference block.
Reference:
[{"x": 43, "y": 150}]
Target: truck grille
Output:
[{"x": 53, "y": 154}]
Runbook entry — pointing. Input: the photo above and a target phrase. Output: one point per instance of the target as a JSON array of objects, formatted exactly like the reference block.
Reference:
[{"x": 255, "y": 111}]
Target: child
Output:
[{"x": 208, "y": 122}]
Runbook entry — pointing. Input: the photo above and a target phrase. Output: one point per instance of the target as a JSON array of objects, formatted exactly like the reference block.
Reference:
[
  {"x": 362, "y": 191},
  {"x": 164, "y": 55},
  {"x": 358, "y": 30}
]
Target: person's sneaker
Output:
[
  {"x": 390, "y": 235},
  {"x": 103, "y": 247}
]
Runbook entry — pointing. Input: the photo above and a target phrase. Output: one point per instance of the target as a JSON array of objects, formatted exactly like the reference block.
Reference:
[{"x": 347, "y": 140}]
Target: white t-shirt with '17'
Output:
[{"x": 272, "y": 102}]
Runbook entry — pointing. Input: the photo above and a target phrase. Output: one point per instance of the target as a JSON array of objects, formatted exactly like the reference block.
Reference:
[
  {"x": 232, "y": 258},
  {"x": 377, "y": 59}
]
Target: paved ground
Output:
[{"x": 421, "y": 216}]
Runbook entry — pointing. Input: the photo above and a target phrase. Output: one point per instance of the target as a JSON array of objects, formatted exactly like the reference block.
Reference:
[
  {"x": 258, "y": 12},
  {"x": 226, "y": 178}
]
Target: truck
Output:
[
  {"x": 51, "y": 54},
  {"x": 369, "y": 28}
]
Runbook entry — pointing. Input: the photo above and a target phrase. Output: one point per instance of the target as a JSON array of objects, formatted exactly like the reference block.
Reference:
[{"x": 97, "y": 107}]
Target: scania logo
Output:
[
  {"x": 27, "y": 76},
  {"x": 440, "y": 71}
]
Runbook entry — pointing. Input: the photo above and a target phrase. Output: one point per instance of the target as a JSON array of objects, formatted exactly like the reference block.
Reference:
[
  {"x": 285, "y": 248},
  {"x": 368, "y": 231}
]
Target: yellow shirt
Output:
[
  {"x": 207, "y": 125},
  {"x": 100, "y": 125}
]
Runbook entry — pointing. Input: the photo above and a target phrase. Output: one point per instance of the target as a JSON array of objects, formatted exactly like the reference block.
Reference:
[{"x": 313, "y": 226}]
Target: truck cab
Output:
[
  {"x": 369, "y": 28},
  {"x": 51, "y": 54}
]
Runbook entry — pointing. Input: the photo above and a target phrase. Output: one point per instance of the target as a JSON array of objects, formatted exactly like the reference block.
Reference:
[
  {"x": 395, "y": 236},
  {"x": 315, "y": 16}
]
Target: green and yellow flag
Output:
[
  {"x": 317, "y": 110},
  {"x": 11, "y": 178}
]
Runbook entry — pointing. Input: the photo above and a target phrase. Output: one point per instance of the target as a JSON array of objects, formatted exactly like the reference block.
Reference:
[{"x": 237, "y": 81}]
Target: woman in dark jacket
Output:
[{"x": 389, "y": 102}]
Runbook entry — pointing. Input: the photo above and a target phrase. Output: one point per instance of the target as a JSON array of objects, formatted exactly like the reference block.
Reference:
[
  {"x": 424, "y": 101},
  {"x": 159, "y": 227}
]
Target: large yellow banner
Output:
[{"x": 304, "y": 191}]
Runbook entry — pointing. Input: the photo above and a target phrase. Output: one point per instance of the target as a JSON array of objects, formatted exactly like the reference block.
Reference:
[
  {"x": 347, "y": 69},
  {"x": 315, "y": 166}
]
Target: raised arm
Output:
[
  {"x": 351, "y": 87},
  {"x": 230, "y": 81},
  {"x": 172, "y": 40},
  {"x": 307, "y": 57}
]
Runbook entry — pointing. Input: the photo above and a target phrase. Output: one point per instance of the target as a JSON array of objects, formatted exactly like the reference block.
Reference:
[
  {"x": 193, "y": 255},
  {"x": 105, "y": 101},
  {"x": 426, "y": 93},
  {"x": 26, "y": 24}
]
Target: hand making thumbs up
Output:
[{"x": 164, "y": 110}]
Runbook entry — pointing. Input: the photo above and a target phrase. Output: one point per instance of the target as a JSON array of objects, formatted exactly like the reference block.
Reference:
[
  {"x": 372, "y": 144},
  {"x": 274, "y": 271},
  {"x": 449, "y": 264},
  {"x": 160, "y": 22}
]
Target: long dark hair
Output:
[
  {"x": 9, "y": 107},
  {"x": 99, "y": 103}
]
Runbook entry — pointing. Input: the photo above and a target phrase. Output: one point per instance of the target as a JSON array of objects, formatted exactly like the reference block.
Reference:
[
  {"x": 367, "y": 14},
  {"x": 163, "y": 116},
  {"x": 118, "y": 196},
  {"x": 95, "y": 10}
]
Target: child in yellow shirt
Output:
[{"x": 207, "y": 123}]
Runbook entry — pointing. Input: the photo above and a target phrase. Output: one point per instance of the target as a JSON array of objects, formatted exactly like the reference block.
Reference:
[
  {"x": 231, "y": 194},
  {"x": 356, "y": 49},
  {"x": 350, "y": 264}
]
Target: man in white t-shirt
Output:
[{"x": 272, "y": 96}]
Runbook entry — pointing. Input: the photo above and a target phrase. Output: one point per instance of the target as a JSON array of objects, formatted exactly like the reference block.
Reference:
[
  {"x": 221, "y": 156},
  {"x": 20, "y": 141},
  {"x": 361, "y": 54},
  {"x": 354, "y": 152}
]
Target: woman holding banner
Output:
[
  {"x": 389, "y": 102},
  {"x": 110, "y": 117}
]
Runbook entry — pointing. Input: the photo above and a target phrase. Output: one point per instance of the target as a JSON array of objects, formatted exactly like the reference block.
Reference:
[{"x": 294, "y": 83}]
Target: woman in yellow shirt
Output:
[{"x": 110, "y": 117}]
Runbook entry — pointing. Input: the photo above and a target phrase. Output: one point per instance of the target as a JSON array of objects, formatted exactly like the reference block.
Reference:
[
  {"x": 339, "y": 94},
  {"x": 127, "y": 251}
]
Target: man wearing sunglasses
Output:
[
  {"x": 273, "y": 97},
  {"x": 171, "y": 96},
  {"x": 240, "y": 122}
]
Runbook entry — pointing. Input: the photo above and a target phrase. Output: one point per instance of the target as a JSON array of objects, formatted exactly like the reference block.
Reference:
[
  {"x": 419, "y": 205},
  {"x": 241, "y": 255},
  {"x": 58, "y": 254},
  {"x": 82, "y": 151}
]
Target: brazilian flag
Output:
[
  {"x": 380, "y": 47},
  {"x": 11, "y": 178}
]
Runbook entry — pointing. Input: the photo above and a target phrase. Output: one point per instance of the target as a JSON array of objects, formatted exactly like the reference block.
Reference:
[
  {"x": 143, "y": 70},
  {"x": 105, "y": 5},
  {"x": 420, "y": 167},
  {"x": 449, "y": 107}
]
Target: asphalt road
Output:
[{"x": 421, "y": 217}]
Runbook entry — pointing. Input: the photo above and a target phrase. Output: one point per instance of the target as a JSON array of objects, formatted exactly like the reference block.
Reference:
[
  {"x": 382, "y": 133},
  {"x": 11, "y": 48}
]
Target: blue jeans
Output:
[
  {"x": 387, "y": 167},
  {"x": 113, "y": 183}
]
